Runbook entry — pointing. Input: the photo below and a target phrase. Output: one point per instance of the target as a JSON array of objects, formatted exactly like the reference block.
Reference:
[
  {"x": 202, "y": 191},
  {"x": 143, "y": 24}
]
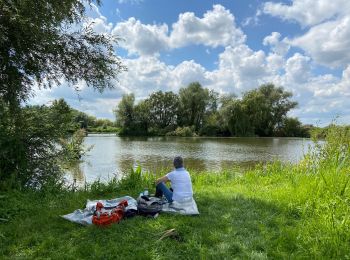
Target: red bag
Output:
[{"x": 105, "y": 217}]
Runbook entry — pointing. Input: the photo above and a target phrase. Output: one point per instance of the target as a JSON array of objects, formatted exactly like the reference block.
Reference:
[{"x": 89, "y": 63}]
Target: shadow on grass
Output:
[{"x": 229, "y": 226}]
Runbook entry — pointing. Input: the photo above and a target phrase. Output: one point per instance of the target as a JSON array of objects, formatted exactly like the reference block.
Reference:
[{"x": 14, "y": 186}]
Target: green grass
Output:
[{"x": 274, "y": 211}]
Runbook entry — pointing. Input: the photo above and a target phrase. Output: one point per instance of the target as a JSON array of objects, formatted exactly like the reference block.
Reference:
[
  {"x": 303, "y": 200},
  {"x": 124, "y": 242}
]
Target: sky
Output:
[{"x": 230, "y": 46}]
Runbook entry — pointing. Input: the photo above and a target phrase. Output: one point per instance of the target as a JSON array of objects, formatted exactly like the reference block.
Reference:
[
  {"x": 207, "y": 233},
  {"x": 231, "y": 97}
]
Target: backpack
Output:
[{"x": 149, "y": 206}]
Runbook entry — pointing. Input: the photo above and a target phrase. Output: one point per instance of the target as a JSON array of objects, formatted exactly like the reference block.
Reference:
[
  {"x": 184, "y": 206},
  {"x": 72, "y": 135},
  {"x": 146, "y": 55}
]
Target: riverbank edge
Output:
[
  {"x": 194, "y": 137},
  {"x": 275, "y": 210}
]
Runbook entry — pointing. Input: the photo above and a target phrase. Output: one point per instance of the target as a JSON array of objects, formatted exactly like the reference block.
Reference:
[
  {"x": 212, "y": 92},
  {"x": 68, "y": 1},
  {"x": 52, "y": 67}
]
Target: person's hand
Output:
[{"x": 162, "y": 179}]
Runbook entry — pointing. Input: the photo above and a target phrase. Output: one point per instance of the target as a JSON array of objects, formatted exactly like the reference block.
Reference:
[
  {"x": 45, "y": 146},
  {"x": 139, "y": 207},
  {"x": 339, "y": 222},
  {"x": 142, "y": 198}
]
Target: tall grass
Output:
[
  {"x": 316, "y": 191},
  {"x": 274, "y": 211}
]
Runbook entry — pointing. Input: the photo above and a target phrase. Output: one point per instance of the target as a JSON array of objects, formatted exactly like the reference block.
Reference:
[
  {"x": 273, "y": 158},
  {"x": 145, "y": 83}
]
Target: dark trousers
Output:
[{"x": 162, "y": 189}]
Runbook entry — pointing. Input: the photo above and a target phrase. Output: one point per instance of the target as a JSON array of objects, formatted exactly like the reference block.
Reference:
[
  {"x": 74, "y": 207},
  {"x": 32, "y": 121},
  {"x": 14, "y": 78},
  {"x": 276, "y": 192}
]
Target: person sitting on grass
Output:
[{"x": 181, "y": 185}]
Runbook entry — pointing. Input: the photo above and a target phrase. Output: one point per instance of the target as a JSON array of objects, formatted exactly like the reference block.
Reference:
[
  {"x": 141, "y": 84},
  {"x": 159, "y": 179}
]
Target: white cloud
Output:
[
  {"x": 99, "y": 25},
  {"x": 328, "y": 43},
  {"x": 308, "y": 12},
  {"x": 321, "y": 98},
  {"x": 149, "y": 74},
  {"x": 278, "y": 46},
  {"x": 142, "y": 39},
  {"x": 239, "y": 67},
  {"x": 216, "y": 28},
  {"x": 275, "y": 63},
  {"x": 187, "y": 72},
  {"x": 252, "y": 20},
  {"x": 298, "y": 68},
  {"x": 340, "y": 89},
  {"x": 130, "y": 1},
  {"x": 96, "y": 20},
  {"x": 248, "y": 67},
  {"x": 146, "y": 75}
]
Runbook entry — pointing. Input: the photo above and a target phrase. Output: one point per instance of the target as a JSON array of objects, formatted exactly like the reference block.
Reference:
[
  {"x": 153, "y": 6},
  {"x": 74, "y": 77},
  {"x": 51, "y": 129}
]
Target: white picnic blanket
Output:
[
  {"x": 186, "y": 206},
  {"x": 84, "y": 216}
]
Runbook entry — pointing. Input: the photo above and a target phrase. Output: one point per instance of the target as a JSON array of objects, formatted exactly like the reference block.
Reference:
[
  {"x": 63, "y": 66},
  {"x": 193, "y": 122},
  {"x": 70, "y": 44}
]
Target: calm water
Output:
[{"x": 112, "y": 155}]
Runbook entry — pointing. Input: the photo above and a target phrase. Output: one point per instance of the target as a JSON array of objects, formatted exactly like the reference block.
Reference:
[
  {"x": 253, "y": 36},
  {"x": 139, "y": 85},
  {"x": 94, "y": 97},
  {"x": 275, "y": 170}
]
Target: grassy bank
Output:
[{"x": 273, "y": 211}]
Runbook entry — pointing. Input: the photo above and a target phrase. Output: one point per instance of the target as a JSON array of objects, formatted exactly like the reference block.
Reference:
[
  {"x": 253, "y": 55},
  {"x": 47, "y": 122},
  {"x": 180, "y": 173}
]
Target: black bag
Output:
[
  {"x": 149, "y": 206},
  {"x": 130, "y": 213}
]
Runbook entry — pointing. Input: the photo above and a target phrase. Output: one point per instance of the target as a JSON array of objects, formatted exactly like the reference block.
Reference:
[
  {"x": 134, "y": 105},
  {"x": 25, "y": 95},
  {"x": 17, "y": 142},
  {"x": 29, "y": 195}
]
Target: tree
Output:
[
  {"x": 142, "y": 118},
  {"x": 211, "y": 125},
  {"x": 163, "y": 110},
  {"x": 235, "y": 117},
  {"x": 81, "y": 119},
  {"x": 292, "y": 127},
  {"x": 41, "y": 44},
  {"x": 194, "y": 100},
  {"x": 63, "y": 113},
  {"x": 213, "y": 102},
  {"x": 29, "y": 151},
  {"x": 125, "y": 113},
  {"x": 267, "y": 106}
]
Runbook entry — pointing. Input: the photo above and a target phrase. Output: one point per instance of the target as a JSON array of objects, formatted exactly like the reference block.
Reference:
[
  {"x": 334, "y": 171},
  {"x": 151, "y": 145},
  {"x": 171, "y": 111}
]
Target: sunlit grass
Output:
[{"x": 272, "y": 211}]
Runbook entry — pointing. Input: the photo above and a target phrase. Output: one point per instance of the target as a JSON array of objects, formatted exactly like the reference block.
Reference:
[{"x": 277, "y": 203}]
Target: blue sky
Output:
[{"x": 229, "y": 46}]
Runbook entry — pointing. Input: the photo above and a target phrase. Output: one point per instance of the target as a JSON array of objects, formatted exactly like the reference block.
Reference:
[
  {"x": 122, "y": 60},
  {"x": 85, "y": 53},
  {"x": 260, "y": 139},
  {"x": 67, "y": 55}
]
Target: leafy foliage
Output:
[
  {"x": 236, "y": 119},
  {"x": 163, "y": 109},
  {"x": 81, "y": 120},
  {"x": 125, "y": 113},
  {"x": 41, "y": 44},
  {"x": 292, "y": 127},
  {"x": 196, "y": 110},
  {"x": 185, "y": 131},
  {"x": 28, "y": 150},
  {"x": 193, "y": 102},
  {"x": 72, "y": 149},
  {"x": 267, "y": 106}
]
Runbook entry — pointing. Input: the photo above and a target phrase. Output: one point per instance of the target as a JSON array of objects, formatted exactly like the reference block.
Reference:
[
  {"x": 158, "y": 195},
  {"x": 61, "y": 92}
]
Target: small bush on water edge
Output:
[
  {"x": 273, "y": 211},
  {"x": 185, "y": 131}
]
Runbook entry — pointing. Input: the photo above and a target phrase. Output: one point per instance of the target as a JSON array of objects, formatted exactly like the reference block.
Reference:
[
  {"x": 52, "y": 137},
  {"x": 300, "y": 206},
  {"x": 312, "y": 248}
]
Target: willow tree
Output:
[
  {"x": 194, "y": 100},
  {"x": 163, "y": 110},
  {"x": 235, "y": 118},
  {"x": 43, "y": 43},
  {"x": 125, "y": 113},
  {"x": 267, "y": 107}
]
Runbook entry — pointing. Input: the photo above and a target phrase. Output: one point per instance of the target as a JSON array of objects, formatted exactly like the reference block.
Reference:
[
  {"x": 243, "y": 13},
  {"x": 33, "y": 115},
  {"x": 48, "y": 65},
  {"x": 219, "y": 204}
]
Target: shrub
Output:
[
  {"x": 185, "y": 131},
  {"x": 28, "y": 146}
]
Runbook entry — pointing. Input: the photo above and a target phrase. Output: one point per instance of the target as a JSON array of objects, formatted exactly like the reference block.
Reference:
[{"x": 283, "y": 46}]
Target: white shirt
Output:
[{"x": 181, "y": 183}]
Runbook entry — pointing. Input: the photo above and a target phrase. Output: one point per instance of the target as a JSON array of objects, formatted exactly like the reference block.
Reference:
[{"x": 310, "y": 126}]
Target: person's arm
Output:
[{"x": 162, "y": 179}]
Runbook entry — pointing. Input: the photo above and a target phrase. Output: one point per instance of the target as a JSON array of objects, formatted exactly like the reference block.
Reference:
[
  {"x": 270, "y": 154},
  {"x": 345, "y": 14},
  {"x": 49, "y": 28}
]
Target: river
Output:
[{"x": 111, "y": 155}]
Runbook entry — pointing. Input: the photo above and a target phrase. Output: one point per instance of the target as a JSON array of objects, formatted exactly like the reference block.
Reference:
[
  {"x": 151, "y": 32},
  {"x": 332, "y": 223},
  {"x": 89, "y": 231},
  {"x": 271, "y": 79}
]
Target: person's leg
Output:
[
  {"x": 161, "y": 189},
  {"x": 159, "y": 192}
]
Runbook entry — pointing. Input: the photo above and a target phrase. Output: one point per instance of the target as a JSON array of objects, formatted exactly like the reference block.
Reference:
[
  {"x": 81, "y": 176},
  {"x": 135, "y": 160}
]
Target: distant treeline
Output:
[
  {"x": 197, "y": 111},
  {"x": 72, "y": 119},
  {"x": 92, "y": 124}
]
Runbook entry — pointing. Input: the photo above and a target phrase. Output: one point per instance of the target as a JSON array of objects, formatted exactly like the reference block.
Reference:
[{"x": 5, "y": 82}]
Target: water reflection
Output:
[
  {"x": 112, "y": 155},
  {"x": 75, "y": 173}
]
